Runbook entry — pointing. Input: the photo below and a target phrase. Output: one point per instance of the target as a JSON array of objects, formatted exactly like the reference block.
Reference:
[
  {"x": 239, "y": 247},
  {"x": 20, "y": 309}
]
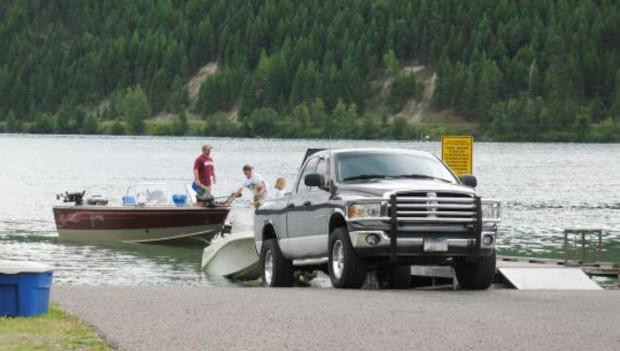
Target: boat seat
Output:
[{"x": 129, "y": 201}]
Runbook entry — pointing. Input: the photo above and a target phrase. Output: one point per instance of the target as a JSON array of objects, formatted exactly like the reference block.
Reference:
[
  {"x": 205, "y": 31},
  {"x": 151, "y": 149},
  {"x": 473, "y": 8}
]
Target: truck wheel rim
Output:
[
  {"x": 338, "y": 259},
  {"x": 268, "y": 267}
]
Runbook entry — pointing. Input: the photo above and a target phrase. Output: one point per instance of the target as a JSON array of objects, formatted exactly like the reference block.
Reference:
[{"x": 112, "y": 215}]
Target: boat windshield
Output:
[
  {"x": 368, "y": 167},
  {"x": 150, "y": 194}
]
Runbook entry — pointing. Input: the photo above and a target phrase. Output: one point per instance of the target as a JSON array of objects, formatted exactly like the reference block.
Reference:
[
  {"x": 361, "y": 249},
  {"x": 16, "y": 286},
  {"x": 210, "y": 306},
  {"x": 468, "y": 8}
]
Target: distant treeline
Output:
[{"x": 516, "y": 70}]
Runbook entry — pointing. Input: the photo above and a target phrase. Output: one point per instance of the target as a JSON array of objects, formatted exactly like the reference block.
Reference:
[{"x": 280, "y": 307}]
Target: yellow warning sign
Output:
[{"x": 457, "y": 152}]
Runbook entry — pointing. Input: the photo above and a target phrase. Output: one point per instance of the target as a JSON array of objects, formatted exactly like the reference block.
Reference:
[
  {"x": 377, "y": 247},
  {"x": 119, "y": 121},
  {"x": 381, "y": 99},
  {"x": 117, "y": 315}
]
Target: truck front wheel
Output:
[
  {"x": 476, "y": 275},
  {"x": 277, "y": 270},
  {"x": 346, "y": 269}
]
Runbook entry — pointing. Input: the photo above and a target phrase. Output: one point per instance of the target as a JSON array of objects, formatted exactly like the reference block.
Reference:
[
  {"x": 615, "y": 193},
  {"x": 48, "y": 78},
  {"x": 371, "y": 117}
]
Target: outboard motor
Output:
[{"x": 77, "y": 197}]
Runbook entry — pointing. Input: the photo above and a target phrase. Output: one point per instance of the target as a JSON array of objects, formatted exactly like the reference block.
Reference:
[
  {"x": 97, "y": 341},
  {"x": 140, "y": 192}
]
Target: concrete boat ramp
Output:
[
  {"x": 207, "y": 318},
  {"x": 315, "y": 318}
]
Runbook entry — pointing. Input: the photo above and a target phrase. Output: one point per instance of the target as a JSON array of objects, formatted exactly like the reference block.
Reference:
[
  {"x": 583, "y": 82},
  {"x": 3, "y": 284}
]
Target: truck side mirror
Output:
[
  {"x": 469, "y": 180},
  {"x": 314, "y": 179}
]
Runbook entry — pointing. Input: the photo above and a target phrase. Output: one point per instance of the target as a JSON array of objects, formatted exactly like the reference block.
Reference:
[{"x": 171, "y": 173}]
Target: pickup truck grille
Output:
[{"x": 435, "y": 207}]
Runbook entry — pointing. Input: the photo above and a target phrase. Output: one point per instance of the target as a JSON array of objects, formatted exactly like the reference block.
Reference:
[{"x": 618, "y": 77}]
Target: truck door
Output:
[
  {"x": 321, "y": 210},
  {"x": 299, "y": 217}
]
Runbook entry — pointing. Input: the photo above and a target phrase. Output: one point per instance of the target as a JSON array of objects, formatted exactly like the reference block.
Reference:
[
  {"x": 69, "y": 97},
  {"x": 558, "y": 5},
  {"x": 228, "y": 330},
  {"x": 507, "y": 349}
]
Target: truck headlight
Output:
[
  {"x": 368, "y": 209},
  {"x": 491, "y": 210}
]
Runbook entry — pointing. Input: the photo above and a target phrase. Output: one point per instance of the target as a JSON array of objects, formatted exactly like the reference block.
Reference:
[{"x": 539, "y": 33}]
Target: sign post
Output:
[{"x": 457, "y": 152}]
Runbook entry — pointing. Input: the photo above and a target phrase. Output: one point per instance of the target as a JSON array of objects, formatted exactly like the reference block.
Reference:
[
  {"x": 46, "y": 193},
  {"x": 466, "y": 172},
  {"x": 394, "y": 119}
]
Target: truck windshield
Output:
[{"x": 359, "y": 167}]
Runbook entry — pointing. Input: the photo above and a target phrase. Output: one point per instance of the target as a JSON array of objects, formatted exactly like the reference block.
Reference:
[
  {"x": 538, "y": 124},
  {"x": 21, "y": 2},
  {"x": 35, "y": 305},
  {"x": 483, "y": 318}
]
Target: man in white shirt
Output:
[{"x": 255, "y": 183}]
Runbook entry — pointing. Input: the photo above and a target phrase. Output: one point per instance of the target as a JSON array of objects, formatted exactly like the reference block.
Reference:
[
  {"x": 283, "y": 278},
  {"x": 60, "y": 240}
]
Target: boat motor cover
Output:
[{"x": 96, "y": 200}]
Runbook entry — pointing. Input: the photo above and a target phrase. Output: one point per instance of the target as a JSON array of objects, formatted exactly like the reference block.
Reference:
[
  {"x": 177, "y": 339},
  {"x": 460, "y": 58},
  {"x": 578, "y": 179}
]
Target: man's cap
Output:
[{"x": 248, "y": 168}]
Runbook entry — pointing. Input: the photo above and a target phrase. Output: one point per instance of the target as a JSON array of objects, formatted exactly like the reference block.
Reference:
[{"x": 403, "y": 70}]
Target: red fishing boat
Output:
[{"x": 147, "y": 214}]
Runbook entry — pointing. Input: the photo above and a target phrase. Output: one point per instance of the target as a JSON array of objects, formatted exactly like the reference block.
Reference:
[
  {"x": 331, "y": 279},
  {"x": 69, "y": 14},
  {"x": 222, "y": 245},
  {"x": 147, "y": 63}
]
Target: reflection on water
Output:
[
  {"x": 544, "y": 188},
  {"x": 125, "y": 264}
]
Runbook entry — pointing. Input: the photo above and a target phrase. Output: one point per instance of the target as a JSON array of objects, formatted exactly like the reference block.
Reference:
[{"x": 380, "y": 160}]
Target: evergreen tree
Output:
[
  {"x": 179, "y": 97},
  {"x": 615, "y": 105},
  {"x": 180, "y": 125},
  {"x": 136, "y": 108},
  {"x": 485, "y": 97},
  {"x": 488, "y": 59},
  {"x": 248, "y": 97},
  {"x": 391, "y": 64},
  {"x": 90, "y": 125},
  {"x": 13, "y": 125},
  {"x": 467, "y": 98}
]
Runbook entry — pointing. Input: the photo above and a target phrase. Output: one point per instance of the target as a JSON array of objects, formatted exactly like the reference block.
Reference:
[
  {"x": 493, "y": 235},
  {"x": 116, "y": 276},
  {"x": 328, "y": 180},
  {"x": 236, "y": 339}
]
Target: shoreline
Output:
[{"x": 310, "y": 138}]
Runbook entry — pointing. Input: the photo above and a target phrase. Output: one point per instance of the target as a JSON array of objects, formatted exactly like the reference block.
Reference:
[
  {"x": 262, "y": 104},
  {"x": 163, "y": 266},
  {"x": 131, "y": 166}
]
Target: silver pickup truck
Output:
[{"x": 355, "y": 210}]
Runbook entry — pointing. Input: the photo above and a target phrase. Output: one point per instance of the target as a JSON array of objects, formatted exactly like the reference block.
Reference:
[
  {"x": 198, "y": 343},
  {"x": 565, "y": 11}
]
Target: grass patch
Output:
[{"x": 54, "y": 330}]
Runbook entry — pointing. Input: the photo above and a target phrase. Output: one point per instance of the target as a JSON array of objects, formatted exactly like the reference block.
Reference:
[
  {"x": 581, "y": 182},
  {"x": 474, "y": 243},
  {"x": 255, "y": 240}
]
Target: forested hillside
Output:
[{"x": 520, "y": 70}]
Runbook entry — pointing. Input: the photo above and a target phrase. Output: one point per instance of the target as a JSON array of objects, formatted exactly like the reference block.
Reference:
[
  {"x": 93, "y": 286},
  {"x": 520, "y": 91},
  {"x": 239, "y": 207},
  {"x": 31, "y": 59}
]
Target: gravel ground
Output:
[{"x": 204, "y": 318}]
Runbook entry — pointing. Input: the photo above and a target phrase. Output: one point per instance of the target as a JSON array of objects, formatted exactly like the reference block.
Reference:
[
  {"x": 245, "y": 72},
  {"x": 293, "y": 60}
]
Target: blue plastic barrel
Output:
[{"x": 24, "y": 288}]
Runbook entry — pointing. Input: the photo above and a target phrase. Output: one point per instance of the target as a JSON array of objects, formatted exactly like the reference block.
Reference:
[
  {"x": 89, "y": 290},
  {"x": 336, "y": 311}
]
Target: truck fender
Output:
[
  {"x": 337, "y": 219},
  {"x": 268, "y": 231}
]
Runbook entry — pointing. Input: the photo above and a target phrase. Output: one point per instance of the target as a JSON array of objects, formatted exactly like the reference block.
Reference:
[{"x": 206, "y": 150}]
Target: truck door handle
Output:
[
  {"x": 307, "y": 203},
  {"x": 290, "y": 206}
]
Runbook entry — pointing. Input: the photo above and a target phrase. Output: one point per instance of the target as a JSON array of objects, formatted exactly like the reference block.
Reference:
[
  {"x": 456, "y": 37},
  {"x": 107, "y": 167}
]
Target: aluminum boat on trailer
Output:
[
  {"x": 149, "y": 213},
  {"x": 232, "y": 253}
]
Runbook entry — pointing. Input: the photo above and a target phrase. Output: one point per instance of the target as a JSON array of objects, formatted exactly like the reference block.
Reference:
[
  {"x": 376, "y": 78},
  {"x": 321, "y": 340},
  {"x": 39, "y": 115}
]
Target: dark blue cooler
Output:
[{"x": 24, "y": 288}]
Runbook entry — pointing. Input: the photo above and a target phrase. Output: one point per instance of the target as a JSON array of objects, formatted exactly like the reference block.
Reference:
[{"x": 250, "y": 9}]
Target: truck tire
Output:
[
  {"x": 277, "y": 270},
  {"x": 477, "y": 275},
  {"x": 346, "y": 269},
  {"x": 395, "y": 277}
]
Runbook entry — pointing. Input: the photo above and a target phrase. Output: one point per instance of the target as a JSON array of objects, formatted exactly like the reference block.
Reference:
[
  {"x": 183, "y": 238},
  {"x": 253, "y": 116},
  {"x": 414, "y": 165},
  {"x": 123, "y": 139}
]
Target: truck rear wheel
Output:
[
  {"x": 477, "y": 275},
  {"x": 395, "y": 277},
  {"x": 346, "y": 269},
  {"x": 277, "y": 270}
]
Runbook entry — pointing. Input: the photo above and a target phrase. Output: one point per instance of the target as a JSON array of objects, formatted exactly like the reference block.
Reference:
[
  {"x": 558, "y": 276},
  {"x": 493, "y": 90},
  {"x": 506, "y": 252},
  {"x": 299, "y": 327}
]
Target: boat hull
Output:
[
  {"x": 193, "y": 226},
  {"x": 233, "y": 257}
]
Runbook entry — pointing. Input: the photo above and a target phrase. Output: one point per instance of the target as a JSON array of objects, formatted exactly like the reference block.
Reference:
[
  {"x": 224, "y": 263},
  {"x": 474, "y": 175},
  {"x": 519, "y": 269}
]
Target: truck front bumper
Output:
[{"x": 377, "y": 243}]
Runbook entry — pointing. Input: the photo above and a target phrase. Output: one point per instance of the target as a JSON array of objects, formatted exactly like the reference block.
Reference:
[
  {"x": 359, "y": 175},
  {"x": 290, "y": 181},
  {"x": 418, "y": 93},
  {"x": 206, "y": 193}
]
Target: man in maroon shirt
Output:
[{"x": 204, "y": 173}]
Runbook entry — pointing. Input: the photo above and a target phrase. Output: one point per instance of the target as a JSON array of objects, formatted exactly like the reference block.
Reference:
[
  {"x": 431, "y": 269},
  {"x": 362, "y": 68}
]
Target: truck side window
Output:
[
  {"x": 321, "y": 168},
  {"x": 310, "y": 166}
]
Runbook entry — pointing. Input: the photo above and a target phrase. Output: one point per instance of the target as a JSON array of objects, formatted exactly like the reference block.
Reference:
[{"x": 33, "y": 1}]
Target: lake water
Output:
[{"x": 544, "y": 188}]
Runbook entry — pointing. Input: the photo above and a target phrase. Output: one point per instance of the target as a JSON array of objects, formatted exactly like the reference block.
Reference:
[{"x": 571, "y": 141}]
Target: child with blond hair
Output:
[{"x": 280, "y": 188}]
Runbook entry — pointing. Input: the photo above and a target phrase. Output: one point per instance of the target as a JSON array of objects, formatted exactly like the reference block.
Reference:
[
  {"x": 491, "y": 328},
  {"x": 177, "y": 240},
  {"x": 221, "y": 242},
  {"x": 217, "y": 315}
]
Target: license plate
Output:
[{"x": 435, "y": 245}]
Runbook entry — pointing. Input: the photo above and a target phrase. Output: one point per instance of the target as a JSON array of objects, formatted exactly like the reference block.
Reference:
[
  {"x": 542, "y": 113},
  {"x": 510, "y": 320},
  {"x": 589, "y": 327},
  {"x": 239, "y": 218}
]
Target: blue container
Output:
[
  {"x": 179, "y": 199},
  {"x": 24, "y": 288},
  {"x": 129, "y": 200}
]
